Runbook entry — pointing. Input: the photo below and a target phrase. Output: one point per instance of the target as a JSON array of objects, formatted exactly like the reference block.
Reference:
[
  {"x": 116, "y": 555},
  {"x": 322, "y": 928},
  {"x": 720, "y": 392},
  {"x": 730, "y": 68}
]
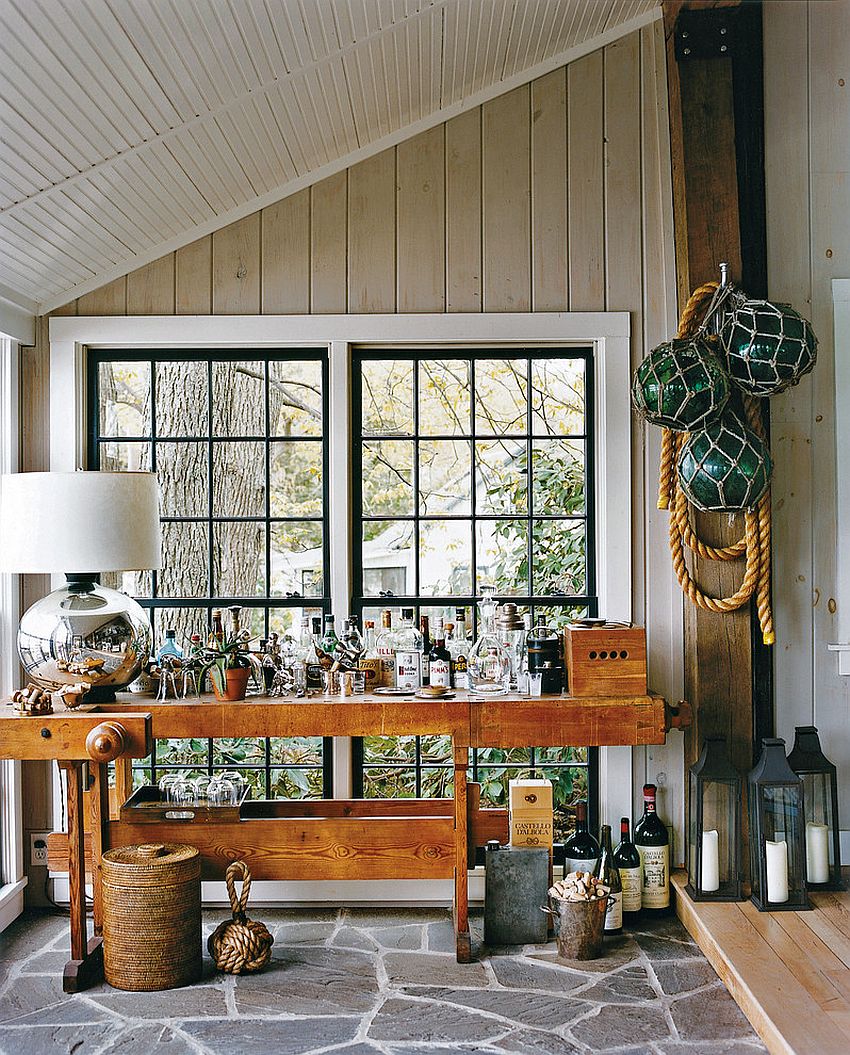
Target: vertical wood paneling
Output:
[
  {"x": 421, "y": 211},
  {"x": 329, "y": 243},
  {"x": 786, "y": 43},
  {"x": 587, "y": 219},
  {"x": 371, "y": 234},
  {"x": 236, "y": 268},
  {"x": 110, "y": 299},
  {"x": 150, "y": 289},
  {"x": 549, "y": 192},
  {"x": 286, "y": 256},
  {"x": 506, "y": 202},
  {"x": 463, "y": 212},
  {"x": 193, "y": 278},
  {"x": 829, "y": 98}
]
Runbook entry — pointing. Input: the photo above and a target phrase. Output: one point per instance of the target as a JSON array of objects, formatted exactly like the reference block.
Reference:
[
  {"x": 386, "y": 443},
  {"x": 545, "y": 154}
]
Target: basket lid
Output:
[{"x": 150, "y": 856}]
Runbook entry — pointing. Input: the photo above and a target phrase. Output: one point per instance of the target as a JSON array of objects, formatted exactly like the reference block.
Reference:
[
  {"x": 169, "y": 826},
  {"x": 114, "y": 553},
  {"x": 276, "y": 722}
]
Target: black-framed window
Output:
[
  {"x": 238, "y": 442},
  {"x": 473, "y": 467}
]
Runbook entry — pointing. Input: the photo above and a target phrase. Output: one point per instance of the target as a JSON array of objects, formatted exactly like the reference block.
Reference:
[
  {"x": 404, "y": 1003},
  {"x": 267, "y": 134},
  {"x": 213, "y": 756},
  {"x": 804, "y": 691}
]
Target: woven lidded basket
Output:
[{"x": 152, "y": 916}]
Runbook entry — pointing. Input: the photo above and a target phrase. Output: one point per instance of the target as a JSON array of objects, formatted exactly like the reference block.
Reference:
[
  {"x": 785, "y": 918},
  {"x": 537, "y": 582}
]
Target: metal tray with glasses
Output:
[{"x": 150, "y": 805}]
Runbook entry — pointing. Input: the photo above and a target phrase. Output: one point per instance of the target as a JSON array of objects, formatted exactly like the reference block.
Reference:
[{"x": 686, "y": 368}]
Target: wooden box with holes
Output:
[{"x": 605, "y": 659}]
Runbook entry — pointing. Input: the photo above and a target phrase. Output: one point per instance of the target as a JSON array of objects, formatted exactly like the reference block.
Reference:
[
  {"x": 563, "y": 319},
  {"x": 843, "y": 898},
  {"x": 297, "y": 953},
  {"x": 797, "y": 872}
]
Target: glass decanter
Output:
[{"x": 489, "y": 662}]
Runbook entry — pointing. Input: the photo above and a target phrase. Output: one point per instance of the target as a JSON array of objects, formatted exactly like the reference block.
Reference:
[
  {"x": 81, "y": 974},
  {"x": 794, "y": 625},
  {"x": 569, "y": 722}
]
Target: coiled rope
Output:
[
  {"x": 755, "y": 543},
  {"x": 240, "y": 945}
]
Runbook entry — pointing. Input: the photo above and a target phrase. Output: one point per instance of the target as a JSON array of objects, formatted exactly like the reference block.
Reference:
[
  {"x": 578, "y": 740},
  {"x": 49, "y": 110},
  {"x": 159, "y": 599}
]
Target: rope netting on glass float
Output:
[{"x": 704, "y": 389}]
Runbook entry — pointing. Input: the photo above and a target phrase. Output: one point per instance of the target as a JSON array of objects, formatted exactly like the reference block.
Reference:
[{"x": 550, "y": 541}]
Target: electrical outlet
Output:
[{"x": 38, "y": 848}]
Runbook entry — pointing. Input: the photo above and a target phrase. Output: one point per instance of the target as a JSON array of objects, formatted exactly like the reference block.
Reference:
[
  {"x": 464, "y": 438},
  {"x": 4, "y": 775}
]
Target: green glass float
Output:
[
  {"x": 768, "y": 347},
  {"x": 724, "y": 468},
  {"x": 681, "y": 385}
]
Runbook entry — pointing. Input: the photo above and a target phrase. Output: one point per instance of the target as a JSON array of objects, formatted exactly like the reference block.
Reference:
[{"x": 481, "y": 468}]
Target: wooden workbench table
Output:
[{"x": 327, "y": 839}]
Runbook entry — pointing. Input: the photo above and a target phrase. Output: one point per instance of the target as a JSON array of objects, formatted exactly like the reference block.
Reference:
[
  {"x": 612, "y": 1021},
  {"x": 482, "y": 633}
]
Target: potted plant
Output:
[{"x": 229, "y": 670}]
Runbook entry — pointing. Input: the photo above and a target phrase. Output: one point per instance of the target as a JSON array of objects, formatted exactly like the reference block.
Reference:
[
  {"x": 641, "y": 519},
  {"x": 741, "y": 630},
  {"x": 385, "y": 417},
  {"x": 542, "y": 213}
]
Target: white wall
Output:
[{"x": 807, "y": 141}]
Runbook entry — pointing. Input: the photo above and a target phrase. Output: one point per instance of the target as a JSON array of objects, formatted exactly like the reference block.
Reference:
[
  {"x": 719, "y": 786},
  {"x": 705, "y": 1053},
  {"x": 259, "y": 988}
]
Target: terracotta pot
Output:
[{"x": 235, "y": 684}]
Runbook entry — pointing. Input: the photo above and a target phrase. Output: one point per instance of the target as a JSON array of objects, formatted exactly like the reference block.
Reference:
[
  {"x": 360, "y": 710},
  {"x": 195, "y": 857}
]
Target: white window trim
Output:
[
  {"x": 12, "y": 880},
  {"x": 607, "y": 332}
]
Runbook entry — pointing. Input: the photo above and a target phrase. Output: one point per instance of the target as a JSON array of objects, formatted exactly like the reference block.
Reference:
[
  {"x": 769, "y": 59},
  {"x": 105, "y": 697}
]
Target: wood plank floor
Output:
[{"x": 788, "y": 971}]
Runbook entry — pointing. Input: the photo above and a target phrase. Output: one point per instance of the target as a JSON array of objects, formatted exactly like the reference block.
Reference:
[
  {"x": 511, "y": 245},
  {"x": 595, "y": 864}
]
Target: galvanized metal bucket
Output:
[{"x": 579, "y": 927}]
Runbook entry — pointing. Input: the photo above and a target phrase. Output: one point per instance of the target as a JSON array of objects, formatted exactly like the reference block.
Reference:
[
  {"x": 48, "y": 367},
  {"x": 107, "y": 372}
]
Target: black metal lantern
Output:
[
  {"x": 820, "y": 796},
  {"x": 714, "y": 825},
  {"x": 777, "y": 832}
]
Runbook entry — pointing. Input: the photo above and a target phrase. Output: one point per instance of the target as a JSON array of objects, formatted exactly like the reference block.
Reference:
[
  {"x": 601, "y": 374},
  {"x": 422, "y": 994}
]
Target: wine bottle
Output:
[
  {"x": 581, "y": 850},
  {"x": 653, "y": 845},
  {"x": 627, "y": 861},
  {"x": 607, "y": 871}
]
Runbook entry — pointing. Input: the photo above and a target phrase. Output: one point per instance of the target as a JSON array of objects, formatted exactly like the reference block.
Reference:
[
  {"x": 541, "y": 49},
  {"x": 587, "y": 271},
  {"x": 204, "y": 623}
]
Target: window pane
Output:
[
  {"x": 183, "y": 473},
  {"x": 559, "y": 557},
  {"x": 445, "y": 557},
  {"x": 238, "y": 398},
  {"x": 295, "y": 397},
  {"x": 296, "y": 479},
  {"x": 182, "y": 399},
  {"x": 557, "y": 399},
  {"x": 296, "y": 751},
  {"x": 387, "y": 478},
  {"x": 436, "y": 749},
  {"x": 185, "y": 560},
  {"x": 124, "y": 398},
  {"x": 239, "y": 479},
  {"x": 501, "y": 476},
  {"x": 288, "y": 620},
  {"x": 296, "y": 556},
  {"x": 387, "y": 396},
  {"x": 183, "y": 752},
  {"x": 502, "y": 556},
  {"x": 239, "y": 559},
  {"x": 444, "y": 397},
  {"x": 445, "y": 475},
  {"x": 123, "y": 457},
  {"x": 389, "y": 783},
  {"x": 388, "y": 544},
  {"x": 186, "y": 621},
  {"x": 437, "y": 783},
  {"x": 297, "y": 784},
  {"x": 398, "y": 749},
  {"x": 558, "y": 475},
  {"x": 240, "y": 751},
  {"x": 501, "y": 393},
  {"x": 561, "y": 754}
]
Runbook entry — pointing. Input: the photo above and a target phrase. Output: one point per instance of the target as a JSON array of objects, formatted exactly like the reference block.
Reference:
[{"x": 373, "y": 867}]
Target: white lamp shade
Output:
[{"x": 79, "y": 522}]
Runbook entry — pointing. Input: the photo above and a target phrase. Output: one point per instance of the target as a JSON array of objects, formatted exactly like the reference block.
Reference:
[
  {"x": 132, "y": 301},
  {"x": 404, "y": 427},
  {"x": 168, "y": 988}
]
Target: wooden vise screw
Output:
[{"x": 106, "y": 742}]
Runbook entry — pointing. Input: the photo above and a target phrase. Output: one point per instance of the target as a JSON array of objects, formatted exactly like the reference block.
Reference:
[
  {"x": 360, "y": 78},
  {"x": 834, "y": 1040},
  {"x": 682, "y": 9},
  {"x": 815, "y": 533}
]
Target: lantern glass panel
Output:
[
  {"x": 718, "y": 813},
  {"x": 817, "y": 794},
  {"x": 781, "y": 820},
  {"x": 693, "y": 822}
]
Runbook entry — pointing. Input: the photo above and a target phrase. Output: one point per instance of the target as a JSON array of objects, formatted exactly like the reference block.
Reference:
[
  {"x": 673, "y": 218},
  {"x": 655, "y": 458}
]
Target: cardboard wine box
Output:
[
  {"x": 530, "y": 810},
  {"x": 606, "y": 660}
]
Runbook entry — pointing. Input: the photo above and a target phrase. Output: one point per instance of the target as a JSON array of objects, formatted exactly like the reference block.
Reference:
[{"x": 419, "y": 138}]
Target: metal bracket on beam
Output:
[{"x": 705, "y": 33}]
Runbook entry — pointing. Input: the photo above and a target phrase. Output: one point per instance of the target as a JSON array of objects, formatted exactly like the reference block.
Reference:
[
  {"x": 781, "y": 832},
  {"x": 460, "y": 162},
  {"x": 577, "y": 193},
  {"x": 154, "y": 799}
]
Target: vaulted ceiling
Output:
[{"x": 131, "y": 127}]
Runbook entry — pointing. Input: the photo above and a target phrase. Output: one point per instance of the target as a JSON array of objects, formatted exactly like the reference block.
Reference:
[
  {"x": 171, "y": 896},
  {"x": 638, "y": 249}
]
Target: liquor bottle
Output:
[
  {"x": 322, "y": 658},
  {"x": 329, "y": 640},
  {"x": 352, "y": 638},
  {"x": 653, "y": 845},
  {"x": 370, "y": 661},
  {"x": 627, "y": 860},
  {"x": 235, "y": 611},
  {"x": 439, "y": 659},
  {"x": 425, "y": 630},
  {"x": 581, "y": 850},
  {"x": 408, "y": 653},
  {"x": 216, "y": 639},
  {"x": 385, "y": 648},
  {"x": 607, "y": 871},
  {"x": 169, "y": 649},
  {"x": 489, "y": 663},
  {"x": 459, "y": 650}
]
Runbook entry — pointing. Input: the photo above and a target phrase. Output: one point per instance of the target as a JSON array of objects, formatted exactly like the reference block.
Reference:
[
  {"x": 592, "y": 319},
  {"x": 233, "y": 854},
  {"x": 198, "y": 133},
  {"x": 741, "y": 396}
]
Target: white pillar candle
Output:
[
  {"x": 817, "y": 853},
  {"x": 777, "y": 871},
  {"x": 710, "y": 880}
]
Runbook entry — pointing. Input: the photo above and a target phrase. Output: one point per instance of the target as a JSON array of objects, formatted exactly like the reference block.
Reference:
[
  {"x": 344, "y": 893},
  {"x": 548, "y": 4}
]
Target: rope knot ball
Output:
[{"x": 240, "y": 945}]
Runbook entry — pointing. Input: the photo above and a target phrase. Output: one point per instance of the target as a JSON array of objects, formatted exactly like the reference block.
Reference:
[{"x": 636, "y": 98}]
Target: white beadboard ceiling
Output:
[{"x": 131, "y": 127}]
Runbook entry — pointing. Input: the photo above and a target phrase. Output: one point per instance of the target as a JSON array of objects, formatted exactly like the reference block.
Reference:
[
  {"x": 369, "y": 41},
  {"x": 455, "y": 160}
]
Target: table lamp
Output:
[{"x": 74, "y": 523}]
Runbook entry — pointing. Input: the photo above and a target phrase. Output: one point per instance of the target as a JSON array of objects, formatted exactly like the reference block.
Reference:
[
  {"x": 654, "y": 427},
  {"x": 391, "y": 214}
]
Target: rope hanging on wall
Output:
[
  {"x": 704, "y": 388},
  {"x": 755, "y": 543}
]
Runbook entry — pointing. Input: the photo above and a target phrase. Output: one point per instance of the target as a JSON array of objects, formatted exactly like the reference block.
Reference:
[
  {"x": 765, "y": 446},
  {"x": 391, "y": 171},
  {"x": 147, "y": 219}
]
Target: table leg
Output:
[
  {"x": 99, "y": 795},
  {"x": 461, "y": 893},
  {"x": 86, "y": 964},
  {"x": 123, "y": 780}
]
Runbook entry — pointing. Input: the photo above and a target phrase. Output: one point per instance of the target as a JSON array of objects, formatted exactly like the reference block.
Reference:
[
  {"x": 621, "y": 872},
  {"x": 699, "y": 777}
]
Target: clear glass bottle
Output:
[
  {"x": 352, "y": 638},
  {"x": 169, "y": 649},
  {"x": 489, "y": 662},
  {"x": 511, "y": 631},
  {"x": 385, "y": 649},
  {"x": 408, "y": 653},
  {"x": 370, "y": 661}
]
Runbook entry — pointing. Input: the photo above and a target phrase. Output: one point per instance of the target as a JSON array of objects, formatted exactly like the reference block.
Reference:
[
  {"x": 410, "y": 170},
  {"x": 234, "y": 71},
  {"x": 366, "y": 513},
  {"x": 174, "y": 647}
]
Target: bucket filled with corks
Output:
[{"x": 577, "y": 906}]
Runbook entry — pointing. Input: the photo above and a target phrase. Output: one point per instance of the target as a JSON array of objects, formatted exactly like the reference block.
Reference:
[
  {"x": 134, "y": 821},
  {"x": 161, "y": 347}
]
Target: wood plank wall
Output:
[
  {"x": 554, "y": 196},
  {"x": 807, "y": 144}
]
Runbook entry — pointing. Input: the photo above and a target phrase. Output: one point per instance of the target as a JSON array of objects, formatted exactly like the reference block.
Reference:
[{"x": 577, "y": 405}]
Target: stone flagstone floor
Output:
[{"x": 361, "y": 982}]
